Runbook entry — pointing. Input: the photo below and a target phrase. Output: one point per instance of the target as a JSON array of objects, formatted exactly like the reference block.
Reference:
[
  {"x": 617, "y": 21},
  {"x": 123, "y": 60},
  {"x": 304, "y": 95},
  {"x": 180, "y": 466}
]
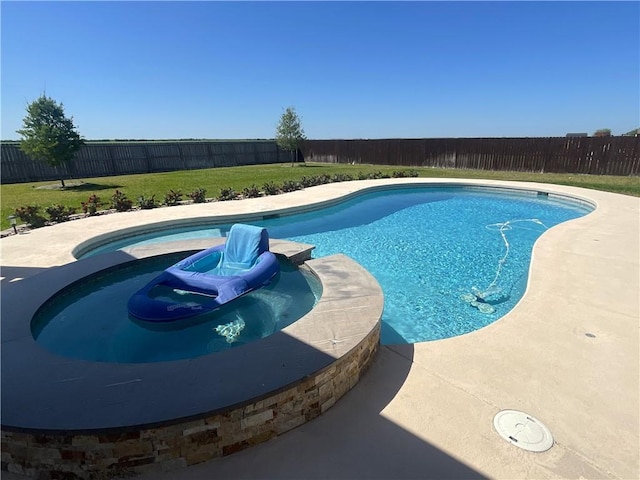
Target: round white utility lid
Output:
[{"x": 523, "y": 430}]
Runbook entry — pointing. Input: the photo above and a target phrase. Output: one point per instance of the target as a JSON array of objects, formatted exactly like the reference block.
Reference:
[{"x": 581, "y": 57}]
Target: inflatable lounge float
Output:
[{"x": 208, "y": 279}]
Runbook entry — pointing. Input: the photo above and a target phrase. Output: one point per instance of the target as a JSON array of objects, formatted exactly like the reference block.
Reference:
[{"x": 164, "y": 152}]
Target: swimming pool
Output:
[
  {"x": 207, "y": 406},
  {"x": 75, "y": 323},
  {"x": 428, "y": 247}
]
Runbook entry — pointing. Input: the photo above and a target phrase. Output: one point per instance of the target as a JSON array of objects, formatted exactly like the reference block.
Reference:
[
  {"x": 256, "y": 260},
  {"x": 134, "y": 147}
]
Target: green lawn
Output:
[{"x": 213, "y": 180}]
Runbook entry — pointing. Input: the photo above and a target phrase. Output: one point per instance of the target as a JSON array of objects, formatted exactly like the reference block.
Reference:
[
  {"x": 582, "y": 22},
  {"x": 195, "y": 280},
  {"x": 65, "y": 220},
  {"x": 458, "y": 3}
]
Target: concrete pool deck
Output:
[{"x": 426, "y": 410}]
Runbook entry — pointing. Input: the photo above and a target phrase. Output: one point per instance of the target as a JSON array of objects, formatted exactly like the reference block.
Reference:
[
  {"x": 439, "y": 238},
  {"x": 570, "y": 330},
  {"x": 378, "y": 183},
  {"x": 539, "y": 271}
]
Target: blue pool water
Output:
[
  {"x": 90, "y": 321},
  {"x": 429, "y": 248}
]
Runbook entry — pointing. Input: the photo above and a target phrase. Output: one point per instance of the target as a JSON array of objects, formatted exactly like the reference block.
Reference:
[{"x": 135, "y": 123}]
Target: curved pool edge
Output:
[
  {"x": 56, "y": 245},
  {"x": 97, "y": 241},
  {"x": 566, "y": 353},
  {"x": 77, "y": 417}
]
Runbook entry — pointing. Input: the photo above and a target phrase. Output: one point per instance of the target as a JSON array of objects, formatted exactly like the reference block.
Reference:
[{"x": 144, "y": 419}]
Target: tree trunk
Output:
[{"x": 59, "y": 172}]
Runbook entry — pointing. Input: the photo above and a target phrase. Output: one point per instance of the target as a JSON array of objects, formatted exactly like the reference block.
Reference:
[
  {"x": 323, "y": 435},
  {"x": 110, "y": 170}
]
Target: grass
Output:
[{"x": 213, "y": 180}]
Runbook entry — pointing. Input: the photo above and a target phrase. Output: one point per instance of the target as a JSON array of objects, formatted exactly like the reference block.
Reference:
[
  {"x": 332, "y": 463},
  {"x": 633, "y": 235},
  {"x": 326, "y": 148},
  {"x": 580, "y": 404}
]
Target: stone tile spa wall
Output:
[{"x": 102, "y": 455}]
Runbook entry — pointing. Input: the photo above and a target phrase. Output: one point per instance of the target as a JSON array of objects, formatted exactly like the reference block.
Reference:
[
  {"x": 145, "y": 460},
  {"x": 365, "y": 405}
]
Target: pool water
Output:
[
  {"x": 428, "y": 256},
  {"x": 429, "y": 248},
  {"x": 90, "y": 320}
]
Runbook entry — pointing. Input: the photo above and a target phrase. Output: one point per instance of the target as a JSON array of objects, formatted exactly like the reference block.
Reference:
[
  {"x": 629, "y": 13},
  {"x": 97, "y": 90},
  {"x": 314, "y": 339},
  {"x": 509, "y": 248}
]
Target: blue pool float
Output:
[{"x": 208, "y": 279}]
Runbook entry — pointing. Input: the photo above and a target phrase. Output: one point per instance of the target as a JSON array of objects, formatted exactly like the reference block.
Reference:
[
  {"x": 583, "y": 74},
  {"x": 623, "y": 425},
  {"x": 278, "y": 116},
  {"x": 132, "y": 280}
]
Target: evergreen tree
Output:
[{"x": 47, "y": 135}]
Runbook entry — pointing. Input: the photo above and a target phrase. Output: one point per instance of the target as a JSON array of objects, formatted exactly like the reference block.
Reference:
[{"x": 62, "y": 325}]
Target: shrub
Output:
[
  {"x": 290, "y": 186},
  {"x": 362, "y": 176},
  {"x": 270, "y": 188},
  {"x": 378, "y": 175},
  {"x": 405, "y": 173},
  {"x": 59, "y": 213},
  {"x": 31, "y": 215},
  {"x": 120, "y": 202},
  {"x": 341, "y": 177},
  {"x": 309, "y": 181},
  {"x": 323, "y": 178},
  {"x": 198, "y": 196},
  {"x": 251, "y": 192},
  {"x": 227, "y": 194},
  {"x": 91, "y": 206},
  {"x": 147, "y": 203},
  {"x": 172, "y": 197}
]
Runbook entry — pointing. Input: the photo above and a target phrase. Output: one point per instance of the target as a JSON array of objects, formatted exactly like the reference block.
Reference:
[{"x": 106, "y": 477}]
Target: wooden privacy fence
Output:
[
  {"x": 99, "y": 159},
  {"x": 586, "y": 155}
]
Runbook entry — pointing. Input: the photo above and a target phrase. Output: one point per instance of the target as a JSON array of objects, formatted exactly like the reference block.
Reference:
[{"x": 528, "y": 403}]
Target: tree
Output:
[
  {"x": 603, "y": 132},
  {"x": 289, "y": 132},
  {"x": 47, "y": 135}
]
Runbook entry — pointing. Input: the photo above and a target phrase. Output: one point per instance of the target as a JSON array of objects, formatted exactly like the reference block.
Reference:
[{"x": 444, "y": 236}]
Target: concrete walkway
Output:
[{"x": 426, "y": 410}]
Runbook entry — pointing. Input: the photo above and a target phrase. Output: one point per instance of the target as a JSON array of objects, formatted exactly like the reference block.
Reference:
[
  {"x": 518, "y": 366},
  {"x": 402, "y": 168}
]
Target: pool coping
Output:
[
  {"x": 66, "y": 417},
  {"x": 46, "y": 392},
  {"x": 584, "y": 278}
]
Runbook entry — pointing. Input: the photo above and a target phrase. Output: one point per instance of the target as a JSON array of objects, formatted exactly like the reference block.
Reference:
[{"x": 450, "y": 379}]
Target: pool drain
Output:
[{"x": 523, "y": 430}]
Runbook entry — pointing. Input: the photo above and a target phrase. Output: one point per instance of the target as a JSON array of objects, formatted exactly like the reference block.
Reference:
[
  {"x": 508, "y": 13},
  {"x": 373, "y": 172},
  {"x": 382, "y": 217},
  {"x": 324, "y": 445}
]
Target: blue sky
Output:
[{"x": 166, "y": 70}]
